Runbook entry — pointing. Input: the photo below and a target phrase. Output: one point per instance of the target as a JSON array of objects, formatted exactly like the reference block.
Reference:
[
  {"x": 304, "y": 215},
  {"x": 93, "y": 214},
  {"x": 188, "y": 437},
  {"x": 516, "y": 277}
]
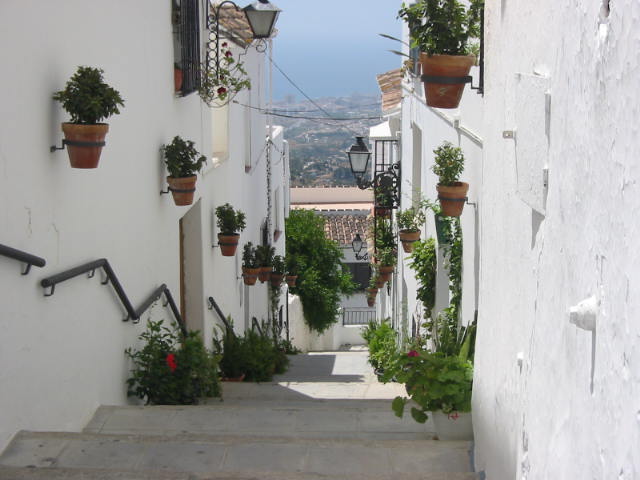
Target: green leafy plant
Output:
[
  {"x": 181, "y": 158},
  {"x": 434, "y": 381},
  {"x": 387, "y": 257},
  {"x": 410, "y": 219},
  {"x": 279, "y": 265},
  {"x": 218, "y": 87},
  {"x": 87, "y": 98},
  {"x": 381, "y": 339},
  {"x": 249, "y": 259},
  {"x": 264, "y": 255},
  {"x": 443, "y": 27},
  {"x": 382, "y": 232},
  {"x": 322, "y": 280},
  {"x": 448, "y": 164},
  {"x": 172, "y": 369},
  {"x": 291, "y": 263},
  {"x": 423, "y": 260},
  {"x": 229, "y": 221}
]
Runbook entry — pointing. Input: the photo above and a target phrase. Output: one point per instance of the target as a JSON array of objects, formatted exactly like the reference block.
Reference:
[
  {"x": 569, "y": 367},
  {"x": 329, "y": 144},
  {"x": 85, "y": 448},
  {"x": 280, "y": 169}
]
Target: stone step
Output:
[
  {"x": 244, "y": 456},
  {"x": 21, "y": 473},
  {"x": 309, "y": 420}
]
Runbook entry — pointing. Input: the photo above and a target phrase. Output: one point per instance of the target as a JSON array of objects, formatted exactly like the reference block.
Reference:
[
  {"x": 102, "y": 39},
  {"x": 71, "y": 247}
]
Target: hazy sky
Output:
[{"x": 332, "y": 47}]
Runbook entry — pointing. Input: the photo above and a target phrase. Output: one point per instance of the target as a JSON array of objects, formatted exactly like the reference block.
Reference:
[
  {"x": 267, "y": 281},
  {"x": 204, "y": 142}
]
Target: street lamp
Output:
[
  {"x": 359, "y": 156},
  {"x": 260, "y": 15},
  {"x": 357, "y": 245}
]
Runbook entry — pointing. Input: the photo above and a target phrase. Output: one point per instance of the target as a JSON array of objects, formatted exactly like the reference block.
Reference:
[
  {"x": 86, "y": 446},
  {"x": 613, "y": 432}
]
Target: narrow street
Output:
[{"x": 327, "y": 417}]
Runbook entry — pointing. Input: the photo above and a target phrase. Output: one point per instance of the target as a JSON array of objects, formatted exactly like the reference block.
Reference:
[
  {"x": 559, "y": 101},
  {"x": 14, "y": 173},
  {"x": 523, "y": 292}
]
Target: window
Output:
[
  {"x": 360, "y": 273},
  {"x": 220, "y": 134},
  {"x": 186, "y": 39}
]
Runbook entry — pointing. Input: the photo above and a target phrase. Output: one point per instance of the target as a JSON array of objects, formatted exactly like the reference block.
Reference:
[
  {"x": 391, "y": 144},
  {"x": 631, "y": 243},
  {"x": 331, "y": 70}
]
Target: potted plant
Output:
[
  {"x": 442, "y": 29},
  {"x": 387, "y": 261},
  {"x": 230, "y": 223},
  {"x": 409, "y": 223},
  {"x": 219, "y": 87},
  {"x": 183, "y": 162},
  {"x": 292, "y": 270},
  {"x": 250, "y": 267},
  {"x": 448, "y": 165},
  {"x": 372, "y": 291},
  {"x": 278, "y": 271},
  {"x": 437, "y": 383},
  {"x": 264, "y": 254},
  {"x": 89, "y": 100}
]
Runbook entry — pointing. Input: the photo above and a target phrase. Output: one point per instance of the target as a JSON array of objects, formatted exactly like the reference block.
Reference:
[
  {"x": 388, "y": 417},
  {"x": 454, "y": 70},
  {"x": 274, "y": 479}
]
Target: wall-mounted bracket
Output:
[
  {"x": 76, "y": 143},
  {"x": 509, "y": 134}
]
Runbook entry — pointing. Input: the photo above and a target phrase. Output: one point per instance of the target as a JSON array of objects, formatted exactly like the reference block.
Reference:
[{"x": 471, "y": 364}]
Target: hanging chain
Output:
[{"x": 269, "y": 201}]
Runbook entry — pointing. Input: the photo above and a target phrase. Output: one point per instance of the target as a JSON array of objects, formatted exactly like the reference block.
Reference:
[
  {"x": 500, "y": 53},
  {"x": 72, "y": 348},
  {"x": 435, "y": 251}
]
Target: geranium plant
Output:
[
  {"x": 219, "y": 85},
  {"x": 181, "y": 158}
]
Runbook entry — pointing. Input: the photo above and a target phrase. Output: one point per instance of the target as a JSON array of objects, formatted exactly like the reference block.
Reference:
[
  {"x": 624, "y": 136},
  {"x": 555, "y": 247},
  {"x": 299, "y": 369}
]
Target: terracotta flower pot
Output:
[
  {"x": 265, "y": 274},
  {"x": 276, "y": 279},
  {"x": 234, "y": 379},
  {"x": 250, "y": 275},
  {"x": 371, "y": 292},
  {"x": 452, "y": 198},
  {"x": 385, "y": 272},
  {"x": 291, "y": 280},
  {"x": 408, "y": 238},
  {"x": 371, "y": 301},
  {"x": 445, "y": 94},
  {"x": 182, "y": 189},
  {"x": 228, "y": 244},
  {"x": 177, "y": 79},
  {"x": 383, "y": 212},
  {"x": 380, "y": 282},
  {"x": 84, "y": 143}
]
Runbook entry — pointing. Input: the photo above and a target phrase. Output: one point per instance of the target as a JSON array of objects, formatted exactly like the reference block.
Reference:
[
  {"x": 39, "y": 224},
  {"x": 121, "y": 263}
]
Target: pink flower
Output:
[
  {"x": 413, "y": 353},
  {"x": 171, "y": 362}
]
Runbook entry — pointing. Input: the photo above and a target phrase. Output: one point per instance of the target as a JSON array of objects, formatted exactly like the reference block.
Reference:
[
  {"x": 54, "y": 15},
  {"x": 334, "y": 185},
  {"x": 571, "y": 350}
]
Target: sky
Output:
[{"x": 332, "y": 47}]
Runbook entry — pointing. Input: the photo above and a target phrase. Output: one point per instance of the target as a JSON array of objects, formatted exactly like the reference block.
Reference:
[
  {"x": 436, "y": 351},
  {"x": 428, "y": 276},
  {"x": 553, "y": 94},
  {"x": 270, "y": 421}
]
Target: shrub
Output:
[
  {"x": 229, "y": 221},
  {"x": 181, "y": 158}
]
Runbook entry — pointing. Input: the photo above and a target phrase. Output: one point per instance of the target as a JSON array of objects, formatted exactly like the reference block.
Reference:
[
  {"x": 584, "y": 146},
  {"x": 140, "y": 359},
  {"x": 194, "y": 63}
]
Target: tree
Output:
[{"x": 322, "y": 279}]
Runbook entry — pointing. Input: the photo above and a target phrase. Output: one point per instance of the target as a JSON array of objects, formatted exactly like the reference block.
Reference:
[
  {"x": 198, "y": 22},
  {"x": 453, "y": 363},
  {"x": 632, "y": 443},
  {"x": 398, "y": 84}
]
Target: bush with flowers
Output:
[
  {"x": 219, "y": 86},
  {"x": 172, "y": 368}
]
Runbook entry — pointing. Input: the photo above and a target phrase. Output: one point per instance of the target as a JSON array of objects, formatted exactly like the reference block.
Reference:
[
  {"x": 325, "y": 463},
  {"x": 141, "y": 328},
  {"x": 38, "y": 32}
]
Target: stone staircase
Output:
[{"x": 267, "y": 431}]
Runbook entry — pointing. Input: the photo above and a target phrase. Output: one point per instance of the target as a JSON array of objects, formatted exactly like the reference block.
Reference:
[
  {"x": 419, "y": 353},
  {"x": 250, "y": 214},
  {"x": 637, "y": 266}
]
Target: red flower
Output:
[
  {"x": 171, "y": 362},
  {"x": 228, "y": 53},
  {"x": 224, "y": 44},
  {"x": 222, "y": 91},
  {"x": 413, "y": 353}
]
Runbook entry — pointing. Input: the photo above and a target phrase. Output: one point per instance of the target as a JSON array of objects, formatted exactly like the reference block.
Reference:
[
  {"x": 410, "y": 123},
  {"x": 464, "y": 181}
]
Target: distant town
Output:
[{"x": 317, "y": 143}]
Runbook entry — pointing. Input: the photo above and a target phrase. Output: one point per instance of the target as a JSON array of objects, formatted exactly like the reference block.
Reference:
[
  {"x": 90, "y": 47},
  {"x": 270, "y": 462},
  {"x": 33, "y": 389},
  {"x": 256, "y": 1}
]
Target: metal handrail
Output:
[
  {"x": 214, "y": 306},
  {"x": 132, "y": 313},
  {"x": 256, "y": 325},
  {"x": 23, "y": 257}
]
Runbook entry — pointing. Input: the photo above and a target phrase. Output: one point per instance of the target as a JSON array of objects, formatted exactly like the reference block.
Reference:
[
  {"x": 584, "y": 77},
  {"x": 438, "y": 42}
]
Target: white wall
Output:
[
  {"x": 572, "y": 409},
  {"x": 63, "y": 355}
]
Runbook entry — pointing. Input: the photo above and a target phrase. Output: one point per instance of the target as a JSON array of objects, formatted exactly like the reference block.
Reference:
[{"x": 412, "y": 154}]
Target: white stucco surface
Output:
[{"x": 64, "y": 355}]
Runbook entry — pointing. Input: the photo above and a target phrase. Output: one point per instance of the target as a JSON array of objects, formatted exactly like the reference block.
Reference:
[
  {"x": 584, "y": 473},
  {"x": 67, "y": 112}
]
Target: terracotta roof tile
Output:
[
  {"x": 342, "y": 225},
  {"x": 390, "y": 84}
]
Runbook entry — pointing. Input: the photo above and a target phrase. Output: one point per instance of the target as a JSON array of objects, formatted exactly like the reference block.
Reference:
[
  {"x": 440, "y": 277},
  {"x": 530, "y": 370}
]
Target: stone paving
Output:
[{"x": 328, "y": 417}]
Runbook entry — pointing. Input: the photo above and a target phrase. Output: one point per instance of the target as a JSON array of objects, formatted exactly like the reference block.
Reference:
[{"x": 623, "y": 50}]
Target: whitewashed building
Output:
[
  {"x": 63, "y": 355},
  {"x": 549, "y": 264}
]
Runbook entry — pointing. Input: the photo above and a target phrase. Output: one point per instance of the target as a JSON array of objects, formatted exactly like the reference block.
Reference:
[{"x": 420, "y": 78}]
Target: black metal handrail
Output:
[
  {"x": 256, "y": 326},
  {"x": 132, "y": 313},
  {"x": 214, "y": 306},
  {"x": 23, "y": 257}
]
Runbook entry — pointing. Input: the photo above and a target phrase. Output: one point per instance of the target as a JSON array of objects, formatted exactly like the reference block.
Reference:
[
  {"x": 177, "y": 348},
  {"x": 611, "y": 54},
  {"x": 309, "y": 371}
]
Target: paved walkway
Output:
[{"x": 327, "y": 418}]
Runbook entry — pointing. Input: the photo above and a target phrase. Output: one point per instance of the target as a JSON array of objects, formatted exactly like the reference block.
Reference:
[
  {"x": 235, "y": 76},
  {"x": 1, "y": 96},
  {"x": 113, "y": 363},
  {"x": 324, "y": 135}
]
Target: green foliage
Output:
[
  {"x": 249, "y": 259},
  {"x": 171, "y": 369},
  {"x": 384, "y": 236},
  {"x": 291, "y": 262},
  {"x": 386, "y": 256},
  {"x": 229, "y": 221},
  {"x": 448, "y": 164},
  {"x": 443, "y": 27},
  {"x": 410, "y": 219},
  {"x": 423, "y": 260},
  {"x": 181, "y": 158},
  {"x": 87, "y": 98},
  {"x": 278, "y": 265},
  {"x": 434, "y": 381},
  {"x": 256, "y": 356},
  {"x": 219, "y": 86},
  {"x": 322, "y": 280},
  {"x": 382, "y": 340},
  {"x": 264, "y": 255}
]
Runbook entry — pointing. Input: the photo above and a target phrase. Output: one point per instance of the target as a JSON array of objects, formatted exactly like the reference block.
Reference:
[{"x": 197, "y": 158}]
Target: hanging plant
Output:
[{"x": 219, "y": 86}]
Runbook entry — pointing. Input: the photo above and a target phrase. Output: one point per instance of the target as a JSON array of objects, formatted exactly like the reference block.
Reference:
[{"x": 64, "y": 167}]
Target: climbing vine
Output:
[{"x": 424, "y": 261}]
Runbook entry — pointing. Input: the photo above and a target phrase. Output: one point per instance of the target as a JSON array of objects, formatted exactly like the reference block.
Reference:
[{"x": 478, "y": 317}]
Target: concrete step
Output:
[
  {"x": 246, "y": 457},
  {"x": 340, "y": 420},
  {"x": 20, "y": 473}
]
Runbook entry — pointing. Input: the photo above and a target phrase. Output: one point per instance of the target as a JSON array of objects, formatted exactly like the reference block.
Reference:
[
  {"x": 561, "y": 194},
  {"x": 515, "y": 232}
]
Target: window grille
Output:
[
  {"x": 187, "y": 38},
  {"x": 360, "y": 273}
]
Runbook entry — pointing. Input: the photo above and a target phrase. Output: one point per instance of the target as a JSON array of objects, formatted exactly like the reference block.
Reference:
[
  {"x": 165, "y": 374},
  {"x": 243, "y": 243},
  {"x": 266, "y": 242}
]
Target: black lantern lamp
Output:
[
  {"x": 262, "y": 16},
  {"x": 357, "y": 245},
  {"x": 359, "y": 156}
]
